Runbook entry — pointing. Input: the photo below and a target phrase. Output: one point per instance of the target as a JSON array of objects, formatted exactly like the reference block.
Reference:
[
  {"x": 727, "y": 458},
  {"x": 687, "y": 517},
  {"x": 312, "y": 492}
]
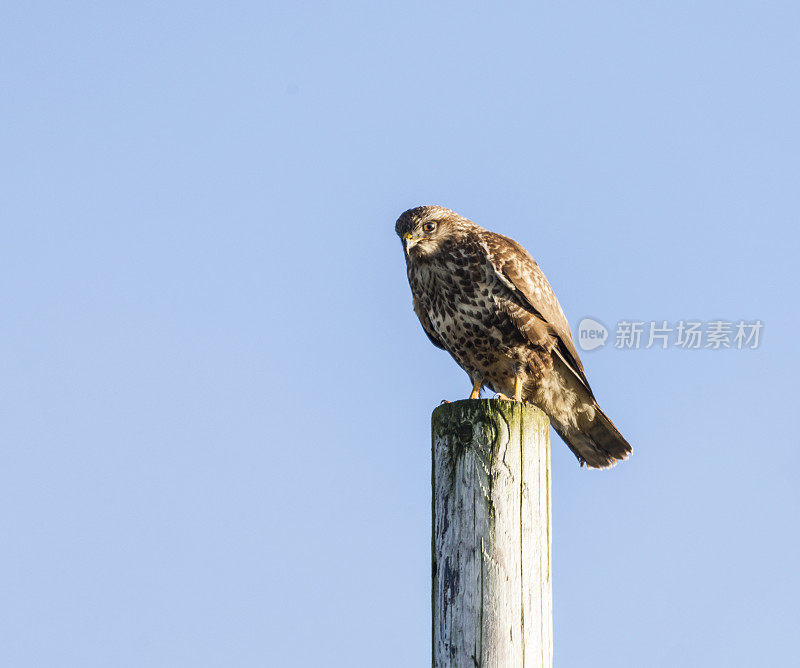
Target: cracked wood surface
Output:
[{"x": 492, "y": 594}]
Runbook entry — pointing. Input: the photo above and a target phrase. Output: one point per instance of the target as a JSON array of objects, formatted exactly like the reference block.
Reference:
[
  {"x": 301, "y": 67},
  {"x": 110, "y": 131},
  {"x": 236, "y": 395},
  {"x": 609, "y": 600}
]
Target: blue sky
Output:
[{"x": 215, "y": 404}]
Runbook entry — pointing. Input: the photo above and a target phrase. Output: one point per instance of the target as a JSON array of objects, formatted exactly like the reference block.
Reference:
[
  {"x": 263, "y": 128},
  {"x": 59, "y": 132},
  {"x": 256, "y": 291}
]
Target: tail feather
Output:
[
  {"x": 573, "y": 411},
  {"x": 594, "y": 440}
]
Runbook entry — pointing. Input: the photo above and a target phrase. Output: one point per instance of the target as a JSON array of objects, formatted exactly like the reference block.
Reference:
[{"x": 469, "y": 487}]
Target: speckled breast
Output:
[{"x": 461, "y": 295}]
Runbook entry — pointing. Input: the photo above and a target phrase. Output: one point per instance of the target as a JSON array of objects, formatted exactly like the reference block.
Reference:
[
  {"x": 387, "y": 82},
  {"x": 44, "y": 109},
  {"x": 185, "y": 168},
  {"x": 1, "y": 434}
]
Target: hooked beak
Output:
[{"x": 409, "y": 241}]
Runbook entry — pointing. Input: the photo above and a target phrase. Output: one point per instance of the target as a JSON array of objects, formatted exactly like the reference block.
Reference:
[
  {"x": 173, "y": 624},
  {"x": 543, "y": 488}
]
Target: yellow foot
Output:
[
  {"x": 517, "y": 388},
  {"x": 476, "y": 390},
  {"x": 500, "y": 395}
]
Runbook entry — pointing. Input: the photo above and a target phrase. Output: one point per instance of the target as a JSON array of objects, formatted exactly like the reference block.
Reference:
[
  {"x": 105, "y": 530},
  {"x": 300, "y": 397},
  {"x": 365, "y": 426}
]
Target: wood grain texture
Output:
[{"x": 492, "y": 593}]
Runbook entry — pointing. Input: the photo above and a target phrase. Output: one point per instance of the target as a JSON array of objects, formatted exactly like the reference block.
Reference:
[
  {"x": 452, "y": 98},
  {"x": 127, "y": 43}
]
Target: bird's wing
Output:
[
  {"x": 535, "y": 298},
  {"x": 426, "y": 324}
]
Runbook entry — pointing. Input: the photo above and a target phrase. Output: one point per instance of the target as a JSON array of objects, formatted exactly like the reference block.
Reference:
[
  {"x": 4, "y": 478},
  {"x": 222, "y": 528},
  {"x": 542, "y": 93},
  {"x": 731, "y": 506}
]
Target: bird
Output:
[{"x": 481, "y": 297}]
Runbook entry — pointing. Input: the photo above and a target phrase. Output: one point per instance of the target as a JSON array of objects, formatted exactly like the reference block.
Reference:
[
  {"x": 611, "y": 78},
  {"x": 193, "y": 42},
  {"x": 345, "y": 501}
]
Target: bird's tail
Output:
[
  {"x": 569, "y": 402},
  {"x": 594, "y": 439}
]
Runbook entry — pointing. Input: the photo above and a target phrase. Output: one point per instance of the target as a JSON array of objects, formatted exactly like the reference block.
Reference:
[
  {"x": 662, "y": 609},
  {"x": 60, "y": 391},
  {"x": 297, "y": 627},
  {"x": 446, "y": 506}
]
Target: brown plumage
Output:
[{"x": 481, "y": 297}]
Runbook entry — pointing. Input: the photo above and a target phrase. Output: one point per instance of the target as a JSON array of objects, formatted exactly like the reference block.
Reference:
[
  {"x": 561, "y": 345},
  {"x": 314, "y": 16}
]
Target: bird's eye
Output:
[{"x": 429, "y": 227}]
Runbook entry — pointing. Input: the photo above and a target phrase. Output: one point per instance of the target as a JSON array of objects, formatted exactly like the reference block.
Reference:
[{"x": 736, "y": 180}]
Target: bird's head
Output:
[{"x": 425, "y": 229}]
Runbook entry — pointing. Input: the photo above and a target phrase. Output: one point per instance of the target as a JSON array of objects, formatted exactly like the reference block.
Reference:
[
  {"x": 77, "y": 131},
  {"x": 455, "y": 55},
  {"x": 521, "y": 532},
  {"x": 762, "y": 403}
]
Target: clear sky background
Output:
[{"x": 215, "y": 398}]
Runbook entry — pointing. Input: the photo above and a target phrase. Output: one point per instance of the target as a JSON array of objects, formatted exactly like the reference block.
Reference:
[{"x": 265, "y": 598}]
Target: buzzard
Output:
[{"x": 481, "y": 297}]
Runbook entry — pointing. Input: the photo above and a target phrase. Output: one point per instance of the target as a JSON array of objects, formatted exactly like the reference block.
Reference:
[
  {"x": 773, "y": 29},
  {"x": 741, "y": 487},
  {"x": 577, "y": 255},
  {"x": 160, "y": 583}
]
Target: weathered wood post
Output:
[{"x": 492, "y": 594}]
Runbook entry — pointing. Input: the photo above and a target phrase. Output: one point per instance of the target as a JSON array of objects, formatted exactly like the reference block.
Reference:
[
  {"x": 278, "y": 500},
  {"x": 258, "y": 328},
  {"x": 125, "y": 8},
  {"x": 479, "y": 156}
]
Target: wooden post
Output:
[{"x": 492, "y": 594}]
